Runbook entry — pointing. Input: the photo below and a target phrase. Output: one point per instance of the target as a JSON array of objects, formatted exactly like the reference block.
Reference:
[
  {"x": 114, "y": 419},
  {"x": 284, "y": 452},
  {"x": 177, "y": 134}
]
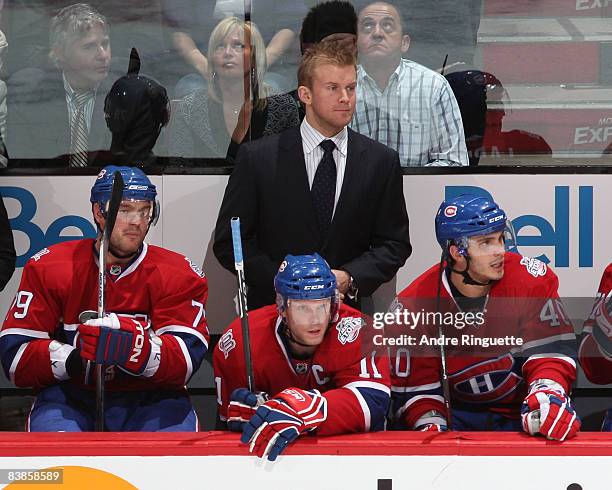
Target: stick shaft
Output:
[
  {"x": 111, "y": 216},
  {"x": 443, "y": 368},
  {"x": 242, "y": 301}
]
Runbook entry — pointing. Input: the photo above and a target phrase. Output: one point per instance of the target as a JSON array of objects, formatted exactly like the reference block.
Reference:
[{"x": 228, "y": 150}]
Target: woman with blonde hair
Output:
[{"x": 214, "y": 121}]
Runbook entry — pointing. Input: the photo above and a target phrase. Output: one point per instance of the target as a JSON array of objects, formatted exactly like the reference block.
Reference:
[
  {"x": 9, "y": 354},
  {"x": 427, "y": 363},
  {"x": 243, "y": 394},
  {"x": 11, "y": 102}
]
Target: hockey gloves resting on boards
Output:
[
  {"x": 115, "y": 340},
  {"x": 242, "y": 406},
  {"x": 547, "y": 410},
  {"x": 279, "y": 421},
  {"x": 432, "y": 421}
]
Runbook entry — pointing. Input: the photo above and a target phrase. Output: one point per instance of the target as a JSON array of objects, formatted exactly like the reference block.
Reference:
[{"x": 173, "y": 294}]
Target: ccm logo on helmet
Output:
[
  {"x": 450, "y": 211},
  {"x": 136, "y": 187},
  {"x": 314, "y": 286},
  {"x": 497, "y": 218}
]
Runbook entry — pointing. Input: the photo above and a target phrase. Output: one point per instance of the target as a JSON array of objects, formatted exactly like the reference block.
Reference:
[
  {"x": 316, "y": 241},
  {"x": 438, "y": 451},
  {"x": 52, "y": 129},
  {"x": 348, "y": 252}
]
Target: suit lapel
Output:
[
  {"x": 351, "y": 184},
  {"x": 293, "y": 179}
]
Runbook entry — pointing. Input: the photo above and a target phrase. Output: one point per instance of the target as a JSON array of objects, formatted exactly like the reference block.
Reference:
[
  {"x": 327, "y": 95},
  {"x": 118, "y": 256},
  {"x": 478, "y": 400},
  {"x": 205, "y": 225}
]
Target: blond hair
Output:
[
  {"x": 331, "y": 52},
  {"x": 258, "y": 55}
]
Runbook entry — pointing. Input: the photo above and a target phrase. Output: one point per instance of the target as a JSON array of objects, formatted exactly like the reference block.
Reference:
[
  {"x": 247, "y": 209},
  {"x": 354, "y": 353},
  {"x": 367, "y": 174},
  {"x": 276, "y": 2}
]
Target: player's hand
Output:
[
  {"x": 243, "y": 404},
  {"x": 547, "y": 410},
  {"x": 432, "y": 421},
  {"x": 115, "y": 340},
  {"x": 282, "y": 419}
]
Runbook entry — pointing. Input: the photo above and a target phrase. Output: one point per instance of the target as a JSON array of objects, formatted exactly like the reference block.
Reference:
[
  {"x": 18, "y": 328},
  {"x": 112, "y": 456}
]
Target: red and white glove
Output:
[
  {"x": 243, "y": 404},
  {"x": 432, "y": 421},
  {"x": 116, "y": 340},
  {"x": 547, "y": 410},
  {"x": 282, "y": 419}
]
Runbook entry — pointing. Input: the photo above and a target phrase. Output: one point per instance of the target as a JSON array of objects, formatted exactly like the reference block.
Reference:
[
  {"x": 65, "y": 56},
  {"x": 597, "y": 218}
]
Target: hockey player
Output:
[
  {"x": 151, "y": 341},
  {"x": 307, "y": 355},
  {"x": 596, "y": 347},
  {"x": 524, "y": 383}
]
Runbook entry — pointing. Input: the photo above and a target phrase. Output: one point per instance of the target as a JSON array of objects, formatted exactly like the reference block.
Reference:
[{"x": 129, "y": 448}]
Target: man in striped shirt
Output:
[{"x": 402, "y": 104}]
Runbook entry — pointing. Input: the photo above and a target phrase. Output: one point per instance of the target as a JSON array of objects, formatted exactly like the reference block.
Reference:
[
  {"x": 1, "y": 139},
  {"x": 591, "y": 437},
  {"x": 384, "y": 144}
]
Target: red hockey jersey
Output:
[
  {"x": 596, "y": 348},
  {"x": 60, "y": 282},
  {"x": 523, "y": 308},
  {"x": 355, "y": 384}
]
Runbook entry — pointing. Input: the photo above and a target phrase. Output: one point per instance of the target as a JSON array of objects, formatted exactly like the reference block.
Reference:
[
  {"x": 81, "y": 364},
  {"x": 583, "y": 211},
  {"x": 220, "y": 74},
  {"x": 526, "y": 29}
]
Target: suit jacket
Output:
[
  {"x": 269, "y": 191},
  {"x": 38, "y": 122}
]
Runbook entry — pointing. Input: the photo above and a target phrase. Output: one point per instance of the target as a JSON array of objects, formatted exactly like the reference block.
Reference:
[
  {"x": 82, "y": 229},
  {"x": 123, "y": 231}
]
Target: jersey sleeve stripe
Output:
[
  {"x": 37, "y": 334},
  {"x": 415, "y": 399},
  {"x": 364, "y": 407},
  {"x": 187, "y": 357},
  {"x": 71, "y": 327},
  {"x": 548, "y": 340},
  {"x": 567, "y": 359},
  {"x": 369, "y": 384},
  {"x": 15, "y": 362},
  {"x": 183, "y": 329},
  {"x": 411, "y": 389}
]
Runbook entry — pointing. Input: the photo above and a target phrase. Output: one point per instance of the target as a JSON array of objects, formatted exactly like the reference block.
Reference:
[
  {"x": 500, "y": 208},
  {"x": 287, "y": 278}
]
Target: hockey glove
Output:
[
  {"x": 432, "y": 421},
  {"x": 282, "y": 419},
  {"x": 243, "y": 404},
  {"x": 547, "y": 410},
  {"x": 115, "y": 340}
]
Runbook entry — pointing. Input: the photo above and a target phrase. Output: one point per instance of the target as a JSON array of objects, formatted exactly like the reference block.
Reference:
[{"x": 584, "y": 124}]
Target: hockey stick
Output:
[
  {"x": 242, "y": 301},
  {"x": 443, "y": 369},
  {"x": 111, "y": 216}
]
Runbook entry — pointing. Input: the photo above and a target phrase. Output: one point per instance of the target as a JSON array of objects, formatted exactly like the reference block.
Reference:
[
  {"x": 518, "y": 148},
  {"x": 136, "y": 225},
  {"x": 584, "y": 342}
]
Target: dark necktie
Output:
[{"x": 324, "y": 188}]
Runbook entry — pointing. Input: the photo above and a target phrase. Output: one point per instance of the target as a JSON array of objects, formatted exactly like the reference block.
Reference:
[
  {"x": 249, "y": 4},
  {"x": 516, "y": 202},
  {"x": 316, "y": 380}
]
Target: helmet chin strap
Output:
[{"x": 467, "y": 279}]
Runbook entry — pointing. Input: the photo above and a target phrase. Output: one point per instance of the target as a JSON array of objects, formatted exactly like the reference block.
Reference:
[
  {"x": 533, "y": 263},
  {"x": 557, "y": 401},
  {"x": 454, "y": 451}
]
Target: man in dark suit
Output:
[
  {"x": 318, "y": 188},
  {"x": 59, "y": 114}
]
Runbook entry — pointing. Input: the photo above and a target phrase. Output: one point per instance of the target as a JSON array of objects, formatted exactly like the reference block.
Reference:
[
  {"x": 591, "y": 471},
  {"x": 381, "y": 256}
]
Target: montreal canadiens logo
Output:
[{"x": 450, "y": 211}]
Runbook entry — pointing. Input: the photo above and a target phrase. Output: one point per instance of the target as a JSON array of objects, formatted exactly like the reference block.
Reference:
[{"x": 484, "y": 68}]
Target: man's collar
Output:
[
  {"x": 72, "y": 92},
  {"x": 312, "y": 138},
  {"x": 363, "y": 76}
]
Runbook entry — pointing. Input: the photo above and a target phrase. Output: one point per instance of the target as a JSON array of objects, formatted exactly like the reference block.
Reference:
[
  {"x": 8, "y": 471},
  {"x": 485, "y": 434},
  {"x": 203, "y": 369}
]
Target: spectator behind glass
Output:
[
  {"x": 62, "y": 109},
  {"x": 400, "y": 103},
  {"x": 136, "y": 109},
  {"x": 7, "y": 248},
  {"x": 482, "y": 98},
  {"x": 213, "y": 122},
  {"x": 191, "y": 21}
]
